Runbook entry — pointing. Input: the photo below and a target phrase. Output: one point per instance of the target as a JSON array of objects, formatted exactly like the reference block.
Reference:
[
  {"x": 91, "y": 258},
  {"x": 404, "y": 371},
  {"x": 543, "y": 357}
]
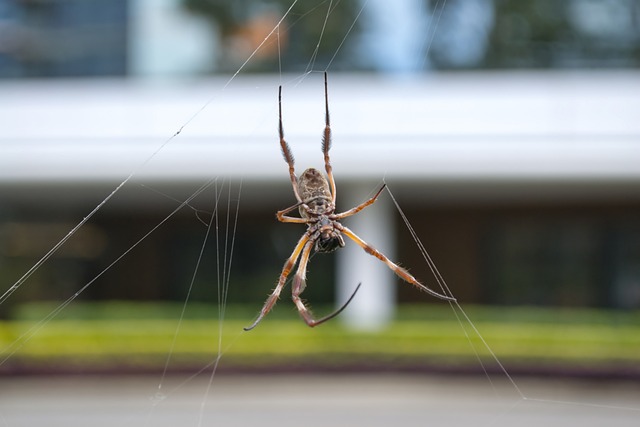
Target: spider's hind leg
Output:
[
  {"x": 299, "y": 284},
  {"x": 275, "y": 294}
]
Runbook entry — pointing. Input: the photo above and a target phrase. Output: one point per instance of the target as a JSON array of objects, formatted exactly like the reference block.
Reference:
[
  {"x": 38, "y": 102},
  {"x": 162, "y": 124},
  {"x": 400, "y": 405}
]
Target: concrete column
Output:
[
  {"x": 165, "y": 40},
  {"x": 374, "y": 305}
]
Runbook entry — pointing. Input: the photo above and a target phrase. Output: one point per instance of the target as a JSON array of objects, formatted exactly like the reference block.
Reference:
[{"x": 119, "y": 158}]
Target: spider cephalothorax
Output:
[
  {"x": 329, "y": 238},
  {"x": 316, "y": 196}
]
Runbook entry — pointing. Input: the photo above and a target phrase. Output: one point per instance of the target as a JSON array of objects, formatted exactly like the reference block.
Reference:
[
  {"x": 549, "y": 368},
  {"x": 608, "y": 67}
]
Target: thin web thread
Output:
[
  {"x": 344, "y": 39},
  {"x": 25, "y": 337},
  {"x": 456, "y": 305},
  {"x": 190, "y": 289},
  {"x": 431, "y": 35},
  {"x": 314, "y": 55},
  {"x": 223, "y": 292},
  {"x": 445, "y": 289},
  {"x": 58, "y": 245},
  {"x": 223, "y": 285}
]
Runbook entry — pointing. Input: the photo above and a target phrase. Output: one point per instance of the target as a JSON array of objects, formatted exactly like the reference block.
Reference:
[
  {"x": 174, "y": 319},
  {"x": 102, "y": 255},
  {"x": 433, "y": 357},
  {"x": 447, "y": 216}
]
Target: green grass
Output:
[{"x": 118, "y": 334}]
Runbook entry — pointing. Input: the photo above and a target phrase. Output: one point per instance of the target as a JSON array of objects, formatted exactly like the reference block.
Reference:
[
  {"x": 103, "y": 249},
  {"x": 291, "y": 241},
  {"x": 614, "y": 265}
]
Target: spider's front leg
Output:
[
  {"x": 286, "y": 150},
  {"x": 326, "y": 143}
]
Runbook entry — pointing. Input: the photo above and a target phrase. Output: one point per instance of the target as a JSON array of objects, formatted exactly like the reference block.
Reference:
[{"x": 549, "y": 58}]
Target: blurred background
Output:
[{"x": 507, "y": 131}]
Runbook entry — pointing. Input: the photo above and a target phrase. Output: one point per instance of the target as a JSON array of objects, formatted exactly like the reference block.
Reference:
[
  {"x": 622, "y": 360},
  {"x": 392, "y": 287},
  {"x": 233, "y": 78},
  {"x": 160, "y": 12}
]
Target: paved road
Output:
[{"x": 310, "y": 401}]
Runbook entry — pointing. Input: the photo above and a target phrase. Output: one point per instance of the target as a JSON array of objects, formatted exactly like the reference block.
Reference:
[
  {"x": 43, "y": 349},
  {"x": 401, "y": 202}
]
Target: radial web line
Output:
[
  {"x": 58, "y": 245},
  {"x": 189, "y": 290},
  {"x": 25, "y": 337},
  {"x": 443, "y": 286},
  {"x": 344, "y": 39},
  {"x": 431, "y": 34},
  {"x": 223, "y": 292},
  {"x": 314, "y": 55},
  {"x": 227, "y": 275}
]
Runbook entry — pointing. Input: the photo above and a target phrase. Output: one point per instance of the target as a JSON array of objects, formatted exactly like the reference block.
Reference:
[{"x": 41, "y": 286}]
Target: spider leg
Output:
[
  {"x": 338, "y": 311},
  {"x": 358, "y": 208},
  {"x": 326, "y": 143},
  {"x": 286, "y": 150},
  {"x": 282, "y": 217},
  {"x": 299, "y": 284},
  {"x": 401, "y": 272},
  {"x": 288, "y": 266}
]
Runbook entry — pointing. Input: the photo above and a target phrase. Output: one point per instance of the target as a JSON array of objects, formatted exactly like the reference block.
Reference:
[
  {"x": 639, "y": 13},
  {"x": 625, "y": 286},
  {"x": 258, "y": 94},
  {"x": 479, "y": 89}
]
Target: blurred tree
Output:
[
  {"x": 467, "y": 34},
  {"x": 564, "y": 34},
  {"x": 245, "y": 24}
]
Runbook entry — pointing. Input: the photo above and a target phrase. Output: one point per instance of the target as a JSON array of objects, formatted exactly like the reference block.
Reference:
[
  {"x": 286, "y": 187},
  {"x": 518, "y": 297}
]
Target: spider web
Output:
[{"x": 220, "y": 221}]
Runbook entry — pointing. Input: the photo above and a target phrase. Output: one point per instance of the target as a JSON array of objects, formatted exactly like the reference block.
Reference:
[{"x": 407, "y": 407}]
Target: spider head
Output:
[{"x": 330, "y": 239}]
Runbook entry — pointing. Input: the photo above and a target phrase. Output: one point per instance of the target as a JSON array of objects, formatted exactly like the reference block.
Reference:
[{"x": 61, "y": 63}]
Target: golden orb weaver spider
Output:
[{"x": 316, "y": 196}]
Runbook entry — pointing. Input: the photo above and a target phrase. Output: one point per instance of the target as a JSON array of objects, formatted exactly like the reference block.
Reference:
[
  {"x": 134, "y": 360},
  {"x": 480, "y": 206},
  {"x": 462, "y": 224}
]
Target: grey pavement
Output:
[{"x": 314, "y": 400}]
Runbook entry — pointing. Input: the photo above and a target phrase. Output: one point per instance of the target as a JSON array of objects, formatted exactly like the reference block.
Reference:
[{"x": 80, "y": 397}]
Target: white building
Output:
[{"x": 545, "y": 161}]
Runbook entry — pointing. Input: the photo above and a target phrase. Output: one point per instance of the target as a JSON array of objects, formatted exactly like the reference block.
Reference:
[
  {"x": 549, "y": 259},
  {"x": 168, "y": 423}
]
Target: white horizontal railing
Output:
[{"x": 462, "y": 128}]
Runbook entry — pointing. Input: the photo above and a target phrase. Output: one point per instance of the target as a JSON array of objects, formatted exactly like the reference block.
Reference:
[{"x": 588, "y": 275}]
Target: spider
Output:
[{"x": 316, "y": 196}]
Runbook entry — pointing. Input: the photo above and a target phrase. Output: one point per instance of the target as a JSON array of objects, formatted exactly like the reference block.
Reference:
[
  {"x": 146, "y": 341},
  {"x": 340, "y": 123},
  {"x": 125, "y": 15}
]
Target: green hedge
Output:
[{"x": 125, "y": 334}]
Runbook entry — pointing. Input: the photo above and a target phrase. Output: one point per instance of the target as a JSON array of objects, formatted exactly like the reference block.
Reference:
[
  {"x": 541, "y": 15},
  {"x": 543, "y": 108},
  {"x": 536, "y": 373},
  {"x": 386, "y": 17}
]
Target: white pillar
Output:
[
  {"x": 166, "y": 40},
  {"x": 394, "y": 48},
  {"x": 374, "y": 305}
]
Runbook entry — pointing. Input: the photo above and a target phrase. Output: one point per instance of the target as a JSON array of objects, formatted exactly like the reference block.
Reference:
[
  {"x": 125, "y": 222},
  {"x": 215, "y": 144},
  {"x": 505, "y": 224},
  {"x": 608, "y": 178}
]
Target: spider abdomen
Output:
[{"x": 314, "y": 192}]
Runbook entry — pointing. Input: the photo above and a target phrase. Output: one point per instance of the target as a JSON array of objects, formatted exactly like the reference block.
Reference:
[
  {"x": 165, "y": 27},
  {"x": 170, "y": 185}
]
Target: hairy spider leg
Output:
[
  {"x": 299, "y": 284},
  {"x": 326, "y": 143},
  {"x": 401, "y": 272},
  {"x": 283, "y": 217},
  {"x": 361, "y": 206},
  {"x": 275, "y": 294},
  {"x": 286, "y": 150}
]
